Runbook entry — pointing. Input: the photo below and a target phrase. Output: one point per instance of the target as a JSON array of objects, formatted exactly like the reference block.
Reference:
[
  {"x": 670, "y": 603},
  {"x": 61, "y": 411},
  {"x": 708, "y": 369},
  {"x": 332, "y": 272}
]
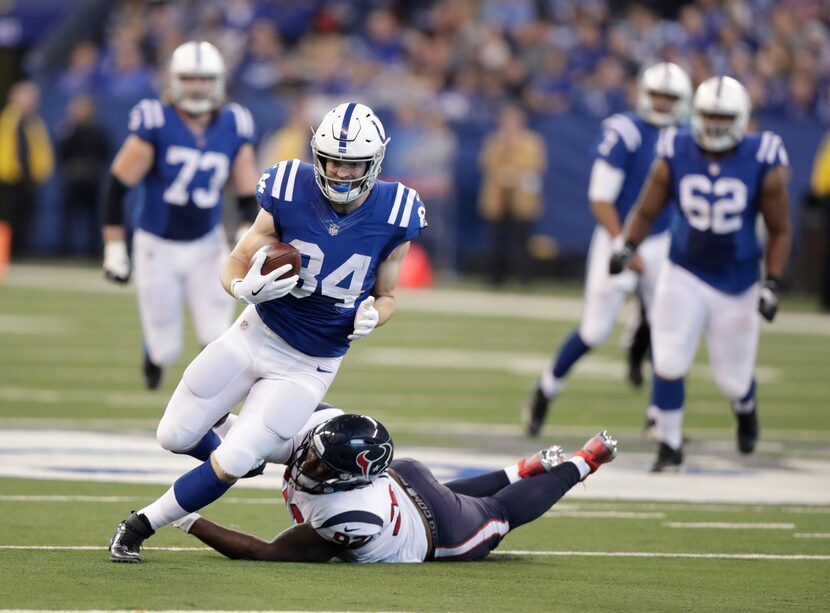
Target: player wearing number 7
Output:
[
  {"x": 284, "y": 350},
  {"x": 722, "y": 179},
  {"x": 182, "y": 153}
]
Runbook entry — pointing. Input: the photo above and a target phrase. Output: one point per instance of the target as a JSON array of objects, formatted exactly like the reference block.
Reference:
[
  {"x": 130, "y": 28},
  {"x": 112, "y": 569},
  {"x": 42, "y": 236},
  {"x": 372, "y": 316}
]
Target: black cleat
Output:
[
  {"x": 635, "y": 373},
  {"x": 125, "y": 544},
  {"x": 668, "y": 459},
  {"x": 535, "y": 412},
  {"x": 748, "y": 430},
  {"x": 152, "y": 373}
]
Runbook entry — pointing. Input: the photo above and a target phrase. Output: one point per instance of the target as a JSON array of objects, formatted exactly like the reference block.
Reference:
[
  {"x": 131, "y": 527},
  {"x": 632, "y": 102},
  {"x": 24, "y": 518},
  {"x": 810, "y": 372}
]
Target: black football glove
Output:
[
  {"x": 768, "y": 299},
  {"x": 620, "y": 259}
]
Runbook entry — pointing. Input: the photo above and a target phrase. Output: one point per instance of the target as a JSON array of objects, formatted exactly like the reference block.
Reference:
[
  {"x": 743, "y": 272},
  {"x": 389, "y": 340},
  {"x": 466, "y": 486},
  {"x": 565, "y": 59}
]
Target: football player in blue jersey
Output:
[
  {"x": 284, "y": 350},
  {"x": 722, "y": 179},
  {"x": 182, "y": 154},
  {"x": 624, "y": 153}
]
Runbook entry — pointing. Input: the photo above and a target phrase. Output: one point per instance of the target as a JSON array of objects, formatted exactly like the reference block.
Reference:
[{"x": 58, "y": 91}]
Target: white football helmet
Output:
[
  {"x": 353, "y": 133},
  {"x": 667, "y": 79},
  {"x": 197, "y": 59},
  {"x": 726, "y": 102}
]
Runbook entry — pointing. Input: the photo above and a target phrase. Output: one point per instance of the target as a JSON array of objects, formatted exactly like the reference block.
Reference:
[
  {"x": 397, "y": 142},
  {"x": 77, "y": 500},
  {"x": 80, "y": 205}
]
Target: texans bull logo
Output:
[{"x": 373, "y": 461}]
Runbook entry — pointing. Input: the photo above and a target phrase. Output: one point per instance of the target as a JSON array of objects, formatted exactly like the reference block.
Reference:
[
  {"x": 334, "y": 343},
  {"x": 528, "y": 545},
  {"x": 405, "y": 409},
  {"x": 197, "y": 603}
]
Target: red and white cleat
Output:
[
  {"x": 541, "y": 462},
  {"x": 600, "y": 449}
]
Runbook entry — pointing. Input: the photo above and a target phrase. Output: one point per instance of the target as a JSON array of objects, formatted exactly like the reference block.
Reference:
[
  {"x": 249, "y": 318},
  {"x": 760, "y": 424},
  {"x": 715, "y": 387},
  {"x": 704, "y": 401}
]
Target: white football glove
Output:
[
  {"x": 256, "y": 287},
  {"x": 365, "y": 319},
  {"x": 116, "y": 262},
  {"x": 186, "y": 522}
]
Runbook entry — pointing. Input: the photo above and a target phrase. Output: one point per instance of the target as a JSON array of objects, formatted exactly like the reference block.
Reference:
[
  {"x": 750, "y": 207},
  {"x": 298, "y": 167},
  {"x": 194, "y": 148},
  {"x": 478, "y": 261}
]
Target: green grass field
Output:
[{"x": 439, "y": 377}]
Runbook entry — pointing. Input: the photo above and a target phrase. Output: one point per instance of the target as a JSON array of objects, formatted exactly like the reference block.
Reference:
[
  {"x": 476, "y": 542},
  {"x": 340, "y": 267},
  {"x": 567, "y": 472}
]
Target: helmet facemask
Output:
[{"x": 349, "y": 133}]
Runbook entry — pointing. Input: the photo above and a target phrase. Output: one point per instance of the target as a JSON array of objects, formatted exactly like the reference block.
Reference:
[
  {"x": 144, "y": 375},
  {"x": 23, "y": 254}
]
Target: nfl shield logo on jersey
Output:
[{"x": 334, "y": 229}]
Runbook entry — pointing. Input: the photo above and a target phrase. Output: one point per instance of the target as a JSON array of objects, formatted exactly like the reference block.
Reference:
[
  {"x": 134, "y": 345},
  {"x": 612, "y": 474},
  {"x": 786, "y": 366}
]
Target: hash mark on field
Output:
[
  {"x": 654, "y": 554},
  {"x": 96, "y": 499},
  {"x": 728, "y": 526},
  {"x": 812, "y": 535},
  {"x": 561, "y": 554},
  {"x": 604, "y": 514}
]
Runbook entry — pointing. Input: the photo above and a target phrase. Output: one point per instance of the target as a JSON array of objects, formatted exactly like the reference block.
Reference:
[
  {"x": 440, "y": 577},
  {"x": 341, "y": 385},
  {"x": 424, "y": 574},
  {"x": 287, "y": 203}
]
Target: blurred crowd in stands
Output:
[
  {"x": 464, "y": 57},
  {"x": 432, "y": 67}
]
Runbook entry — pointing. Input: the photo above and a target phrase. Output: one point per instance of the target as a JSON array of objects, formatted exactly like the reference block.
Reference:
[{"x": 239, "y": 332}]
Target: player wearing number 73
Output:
[
  {"x": 722, "y": 179},
  {"x": 284, "y": 350},
  {"x": 182, "y": 153}
]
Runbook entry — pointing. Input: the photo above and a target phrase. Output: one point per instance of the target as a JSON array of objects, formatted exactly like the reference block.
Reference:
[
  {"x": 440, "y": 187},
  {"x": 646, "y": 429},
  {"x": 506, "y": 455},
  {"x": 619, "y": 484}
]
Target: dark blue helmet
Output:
[{"x": 353, "y": 450}]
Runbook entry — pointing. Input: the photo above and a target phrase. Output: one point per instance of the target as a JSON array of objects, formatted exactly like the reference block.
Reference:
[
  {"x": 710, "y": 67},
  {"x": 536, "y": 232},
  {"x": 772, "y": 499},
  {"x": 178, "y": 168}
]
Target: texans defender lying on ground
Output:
[{"x": 350, "y": 500}]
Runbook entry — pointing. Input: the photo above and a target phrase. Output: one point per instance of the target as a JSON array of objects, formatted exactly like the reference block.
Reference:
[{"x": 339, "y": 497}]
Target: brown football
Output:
[{"x": 279, "y": 254}]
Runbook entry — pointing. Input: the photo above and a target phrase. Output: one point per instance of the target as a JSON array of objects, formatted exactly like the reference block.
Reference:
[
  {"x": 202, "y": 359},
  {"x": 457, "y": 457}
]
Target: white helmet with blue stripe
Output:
[
  {"x": 197, "y": 60},
  {"x": 665, "y": 79},
  {"x": 720, "y": 113},
  {"x": 350, "y": 132}
]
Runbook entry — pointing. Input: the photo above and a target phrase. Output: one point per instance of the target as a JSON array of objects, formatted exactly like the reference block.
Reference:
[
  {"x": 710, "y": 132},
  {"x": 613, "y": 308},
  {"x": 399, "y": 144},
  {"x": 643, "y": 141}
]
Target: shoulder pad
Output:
[
  {"x": 148, "y": 114},
  {"x": 243, "y": 119},
  {"x": 626, "y": 128},
  {"x": 771, "y": 150},
  {"x": 406, "y": 201}
]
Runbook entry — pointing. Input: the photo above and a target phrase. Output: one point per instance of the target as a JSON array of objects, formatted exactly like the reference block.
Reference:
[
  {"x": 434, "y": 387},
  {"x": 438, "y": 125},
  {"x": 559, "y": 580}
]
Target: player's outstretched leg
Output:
[
  {"x": 541, "y": 462},
  {"x": 600, "y": 449},
  {"x": 551, "y": 382},
  {"x": 746, "y": 413},
  {"x": 153, "y": 373},
  {"x": 125, "y": 544}
]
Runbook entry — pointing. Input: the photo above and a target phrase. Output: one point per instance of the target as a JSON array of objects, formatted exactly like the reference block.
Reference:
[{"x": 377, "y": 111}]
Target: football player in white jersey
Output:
[
  {"x": 349, "y": 499},
  {"x": 722, "y": 179},
  {"x": 182, "y": 153},
  {"x": 623, "y": 156},
  {"x": 284, "y": 350}
]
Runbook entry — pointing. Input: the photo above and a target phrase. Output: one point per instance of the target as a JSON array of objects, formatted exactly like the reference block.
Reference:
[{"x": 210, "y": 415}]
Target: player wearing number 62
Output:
[
  {"x": 722, "y": 179},
  {"x": 284, "y": 350},
  {"x": 182, "y": 153}
]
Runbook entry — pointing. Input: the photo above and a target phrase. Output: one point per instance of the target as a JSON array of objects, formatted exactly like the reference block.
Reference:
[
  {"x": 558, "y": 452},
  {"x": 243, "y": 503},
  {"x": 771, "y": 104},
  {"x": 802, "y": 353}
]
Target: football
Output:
[{"x": 279, "y": 254}]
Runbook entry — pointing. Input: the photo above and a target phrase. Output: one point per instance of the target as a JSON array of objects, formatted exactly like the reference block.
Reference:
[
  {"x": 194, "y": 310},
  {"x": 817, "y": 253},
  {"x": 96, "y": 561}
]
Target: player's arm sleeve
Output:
[
  {"x": 300, "y": 543},
  {"x": 606, "y": 182}
]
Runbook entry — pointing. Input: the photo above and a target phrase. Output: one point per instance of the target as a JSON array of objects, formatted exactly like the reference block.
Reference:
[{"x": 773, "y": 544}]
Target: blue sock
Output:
[
  {"x": 747, "y": 403},
  {"x": 570, "y": 351},
  {"x": 204, "y": 447},
  {"x": 199, "y": 487},
  {"x": 668, "y": 395}
]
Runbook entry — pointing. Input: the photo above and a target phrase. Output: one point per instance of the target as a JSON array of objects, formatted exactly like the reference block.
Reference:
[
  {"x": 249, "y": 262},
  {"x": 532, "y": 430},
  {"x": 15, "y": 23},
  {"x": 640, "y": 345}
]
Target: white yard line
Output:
[
  {"x": 561, "y": 554},
  {"x": 812, "y": 535},
  {"x": 719, "y": 525}
]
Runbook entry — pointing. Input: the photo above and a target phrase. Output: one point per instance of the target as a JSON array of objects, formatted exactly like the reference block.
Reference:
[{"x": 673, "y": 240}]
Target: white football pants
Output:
[
  {"x": 684, "y": 306},
  {"x": 169, "y": 272},
  {"x": 606, "y": 293},
  {"x": 281, "y": 388}
]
